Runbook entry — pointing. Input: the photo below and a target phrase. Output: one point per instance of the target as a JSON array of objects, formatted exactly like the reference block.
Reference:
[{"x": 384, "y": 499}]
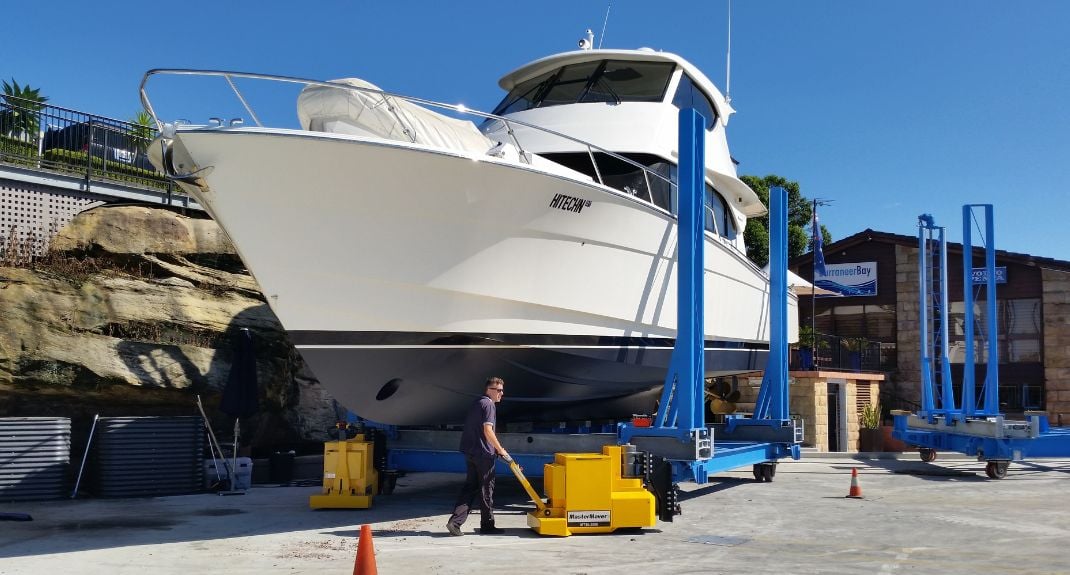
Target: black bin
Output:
[{"x": 281, "y": 467}]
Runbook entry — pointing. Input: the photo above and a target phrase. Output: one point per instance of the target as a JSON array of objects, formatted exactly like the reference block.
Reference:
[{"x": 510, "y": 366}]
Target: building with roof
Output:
[{"x": 1033, "y": 307}]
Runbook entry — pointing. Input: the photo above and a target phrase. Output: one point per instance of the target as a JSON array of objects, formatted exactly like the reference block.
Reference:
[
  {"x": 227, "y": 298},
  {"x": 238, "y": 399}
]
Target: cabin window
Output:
[
  {"x": 612, "y": 81},
  {"x": 625, "y": 176},
  {"x": 631, "y": 179},
  {"x": 522, "y": 97},
  {"x": 689, "y": 96},
  {"x": 630, "y": 82},
  {"x": 718, "y": 217}
]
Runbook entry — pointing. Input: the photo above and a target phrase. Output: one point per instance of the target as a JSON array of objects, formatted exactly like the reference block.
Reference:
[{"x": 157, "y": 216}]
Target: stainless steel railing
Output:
[{"x": 509, "y": 123}]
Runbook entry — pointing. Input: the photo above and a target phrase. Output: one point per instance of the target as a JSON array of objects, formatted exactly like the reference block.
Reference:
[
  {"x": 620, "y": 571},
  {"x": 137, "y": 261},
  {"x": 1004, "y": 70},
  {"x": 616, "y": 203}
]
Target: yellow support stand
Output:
[
  {"x": 349, "y": 476},
  {"x": 587, "y": 494}
]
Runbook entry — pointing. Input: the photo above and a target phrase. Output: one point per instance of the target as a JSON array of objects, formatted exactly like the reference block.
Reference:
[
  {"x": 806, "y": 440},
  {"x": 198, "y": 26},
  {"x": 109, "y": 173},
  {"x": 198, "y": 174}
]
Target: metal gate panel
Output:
[
  {"x": 34, "y": 457},
  {"x": 147, "y": 456}
]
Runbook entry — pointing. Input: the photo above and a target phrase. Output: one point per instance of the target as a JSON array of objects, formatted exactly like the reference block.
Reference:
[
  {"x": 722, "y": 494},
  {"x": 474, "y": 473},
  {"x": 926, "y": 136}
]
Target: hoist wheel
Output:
[
  {"x": 996, "y": 469},
  {"x": 764, "y": 472}
]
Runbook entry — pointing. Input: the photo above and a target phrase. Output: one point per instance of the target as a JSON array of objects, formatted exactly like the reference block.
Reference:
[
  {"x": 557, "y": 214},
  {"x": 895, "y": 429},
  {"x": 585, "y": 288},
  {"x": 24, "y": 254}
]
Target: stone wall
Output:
[
  {"x": 1056, "y": 286},
  {"x": 808, "y": 400},
  {"x": 133, "y": 313},
  {"x": 907, "y": 381}
]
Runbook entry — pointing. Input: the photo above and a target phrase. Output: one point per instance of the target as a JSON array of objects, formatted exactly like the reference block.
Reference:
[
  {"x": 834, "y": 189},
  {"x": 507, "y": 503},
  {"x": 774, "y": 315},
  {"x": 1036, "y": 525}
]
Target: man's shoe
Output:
[
  {"x": 491, "y": 530},
  {"x": 454, "y": 530}
]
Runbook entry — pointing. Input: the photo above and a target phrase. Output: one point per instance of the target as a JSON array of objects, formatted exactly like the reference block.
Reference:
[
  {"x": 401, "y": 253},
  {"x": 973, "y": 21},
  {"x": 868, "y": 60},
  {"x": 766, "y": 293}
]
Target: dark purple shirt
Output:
[{"x": 473, "y": 439}]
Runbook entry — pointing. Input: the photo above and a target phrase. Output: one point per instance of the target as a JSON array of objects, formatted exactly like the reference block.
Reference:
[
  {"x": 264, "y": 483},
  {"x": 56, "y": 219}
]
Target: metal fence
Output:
[
  {"x": 830, "y": 352},
  {"x": 34, "y": 457},
  {"x": 58, "y": 139}
]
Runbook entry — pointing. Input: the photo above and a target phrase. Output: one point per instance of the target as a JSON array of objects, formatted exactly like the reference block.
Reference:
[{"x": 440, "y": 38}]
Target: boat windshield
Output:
[{"x": 612, "y": 81}]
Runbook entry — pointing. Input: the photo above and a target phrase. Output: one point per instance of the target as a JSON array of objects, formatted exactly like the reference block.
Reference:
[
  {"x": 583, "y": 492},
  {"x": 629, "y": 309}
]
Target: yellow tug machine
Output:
[
  {"x": 586, "y": 492},
  {"x": 590, "y": 493},
  {"x": 350, "y": 479}
]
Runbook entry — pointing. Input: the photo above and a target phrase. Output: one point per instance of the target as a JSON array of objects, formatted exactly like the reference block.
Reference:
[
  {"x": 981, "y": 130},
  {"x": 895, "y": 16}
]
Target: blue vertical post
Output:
[
  {"x": 691, "y": 257},
  {"x": 969, "y": 384},
  {"x": 992, "y": 374},
  {"x": 925, "y": 223},
  {"x": 948, "y": 402},
  {"x": 682, "y": 407},
  {"x": 990, "y": 404},
  {"x": 777, "y": 365},
  {"x": 683, "y": 396}
]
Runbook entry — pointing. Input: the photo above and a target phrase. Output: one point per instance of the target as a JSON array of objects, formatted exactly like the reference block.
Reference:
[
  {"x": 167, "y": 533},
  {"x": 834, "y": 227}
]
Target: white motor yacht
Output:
[{"x": 411, "y": 252}]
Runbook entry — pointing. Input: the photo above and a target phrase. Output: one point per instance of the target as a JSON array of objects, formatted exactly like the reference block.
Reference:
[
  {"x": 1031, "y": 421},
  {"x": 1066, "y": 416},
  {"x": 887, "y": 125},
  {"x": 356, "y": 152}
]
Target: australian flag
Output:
[{"x": 819, "y": 256}]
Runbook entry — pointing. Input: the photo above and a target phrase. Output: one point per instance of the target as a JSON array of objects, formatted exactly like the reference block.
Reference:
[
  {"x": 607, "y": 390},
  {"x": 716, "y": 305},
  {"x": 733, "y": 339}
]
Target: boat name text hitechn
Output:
[{"x": 569, "y": 203}]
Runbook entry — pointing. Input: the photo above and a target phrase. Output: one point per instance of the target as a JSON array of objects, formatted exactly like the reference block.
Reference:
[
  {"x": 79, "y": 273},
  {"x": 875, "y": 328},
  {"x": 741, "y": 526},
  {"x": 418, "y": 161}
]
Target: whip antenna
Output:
[
  {"x": 604, "y": 23},
  {"x": 728, "y": 60}
]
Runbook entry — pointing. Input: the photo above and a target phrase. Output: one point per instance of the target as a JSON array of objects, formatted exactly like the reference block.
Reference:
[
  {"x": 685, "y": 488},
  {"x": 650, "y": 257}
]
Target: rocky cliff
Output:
[{"x": 134, "y": 312}]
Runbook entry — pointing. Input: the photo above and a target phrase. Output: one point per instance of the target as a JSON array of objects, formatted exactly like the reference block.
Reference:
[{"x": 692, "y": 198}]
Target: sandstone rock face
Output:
[
  {"x": 141, "y": 230},
  {"x": 134, "y": 313}
]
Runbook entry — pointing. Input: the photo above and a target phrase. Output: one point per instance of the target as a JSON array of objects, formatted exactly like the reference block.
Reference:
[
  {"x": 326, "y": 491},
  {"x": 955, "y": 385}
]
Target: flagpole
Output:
[
  {"x": 813, "y": 289},
  {"x": 818, "y": 258}
]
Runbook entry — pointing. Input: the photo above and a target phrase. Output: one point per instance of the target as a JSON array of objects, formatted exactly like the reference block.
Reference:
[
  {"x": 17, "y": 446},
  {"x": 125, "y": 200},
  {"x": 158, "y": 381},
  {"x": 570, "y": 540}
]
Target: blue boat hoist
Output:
[
  {"x": 686, "y": 448},
  {"x": 679, "y": 432},
  {"x": 970, "y": 425}
]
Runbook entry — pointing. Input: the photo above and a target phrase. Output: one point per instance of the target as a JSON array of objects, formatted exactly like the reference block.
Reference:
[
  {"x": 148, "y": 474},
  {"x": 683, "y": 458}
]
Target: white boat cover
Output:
[{"x": 369, "y": 112}]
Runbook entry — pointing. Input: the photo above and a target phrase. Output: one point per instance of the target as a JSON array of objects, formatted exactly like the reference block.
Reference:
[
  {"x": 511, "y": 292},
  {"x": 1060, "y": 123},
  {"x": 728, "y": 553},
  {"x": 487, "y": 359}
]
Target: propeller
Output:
[{"x": 722, "y": 398}]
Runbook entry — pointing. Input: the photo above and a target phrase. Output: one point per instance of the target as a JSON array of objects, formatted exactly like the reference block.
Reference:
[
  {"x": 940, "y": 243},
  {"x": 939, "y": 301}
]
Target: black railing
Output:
[
  {"x": 830, "y": 352},
  {"x": 58, "y": 139}
]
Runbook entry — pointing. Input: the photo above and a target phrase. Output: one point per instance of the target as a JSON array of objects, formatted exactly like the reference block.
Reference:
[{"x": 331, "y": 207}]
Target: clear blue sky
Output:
[{"x": 887, "y": 108}]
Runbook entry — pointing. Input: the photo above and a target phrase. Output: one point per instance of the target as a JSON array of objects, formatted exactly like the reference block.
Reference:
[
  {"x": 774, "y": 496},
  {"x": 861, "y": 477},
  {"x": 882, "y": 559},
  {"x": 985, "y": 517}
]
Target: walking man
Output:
[{"x": 480, "y": 447}]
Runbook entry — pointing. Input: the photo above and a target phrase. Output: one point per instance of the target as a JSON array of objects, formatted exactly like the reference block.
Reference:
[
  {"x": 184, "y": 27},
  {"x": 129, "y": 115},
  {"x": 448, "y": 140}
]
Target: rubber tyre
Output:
[
  {"x": 927, "y": 455},
  {"x": 757, "y": 470},
  {"x": 996, "y": 469}
]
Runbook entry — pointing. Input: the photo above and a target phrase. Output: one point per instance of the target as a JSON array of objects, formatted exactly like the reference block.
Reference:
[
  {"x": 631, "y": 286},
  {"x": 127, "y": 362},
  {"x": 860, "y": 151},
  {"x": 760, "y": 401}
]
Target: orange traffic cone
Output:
[
  {"x": 856, "y": 491},
  {"x": 365, "y": 564}
]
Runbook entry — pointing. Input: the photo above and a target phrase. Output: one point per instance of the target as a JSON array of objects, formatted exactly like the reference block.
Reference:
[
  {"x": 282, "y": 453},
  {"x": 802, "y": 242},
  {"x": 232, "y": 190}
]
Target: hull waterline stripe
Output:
[
  {"x": 500, "y": 346},
  {"x": 308, "y": 338}
]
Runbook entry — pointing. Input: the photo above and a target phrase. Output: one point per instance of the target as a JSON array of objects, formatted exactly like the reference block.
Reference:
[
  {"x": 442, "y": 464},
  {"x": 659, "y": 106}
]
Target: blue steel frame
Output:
[
  {"x": 971, "y": 429},
  {"x": 927, "y": 228},
  {"x": 949, "y": 407},
  {"x": 990, "y": 405},
  {"x": 681, "y": 412},
  {"x": 1049, "y": 442}
]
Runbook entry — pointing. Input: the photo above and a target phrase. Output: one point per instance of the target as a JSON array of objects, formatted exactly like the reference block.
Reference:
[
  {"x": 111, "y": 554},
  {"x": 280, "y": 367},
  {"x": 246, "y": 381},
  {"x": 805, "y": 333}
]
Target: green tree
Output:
[
  {"x": 22, "y": 105},
  {"x": 800, "y": 214},
  {"x": 143, "y": 128}
]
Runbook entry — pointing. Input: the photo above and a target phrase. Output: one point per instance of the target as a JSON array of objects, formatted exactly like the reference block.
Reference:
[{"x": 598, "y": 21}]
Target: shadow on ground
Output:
[{"x": 94, "y": 524}]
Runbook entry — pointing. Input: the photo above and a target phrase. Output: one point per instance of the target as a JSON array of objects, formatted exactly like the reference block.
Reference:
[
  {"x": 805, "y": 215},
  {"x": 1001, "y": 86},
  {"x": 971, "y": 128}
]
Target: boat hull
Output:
[
  {"x": 347, "y": 235},
  {"x": 410, "y": 384}
]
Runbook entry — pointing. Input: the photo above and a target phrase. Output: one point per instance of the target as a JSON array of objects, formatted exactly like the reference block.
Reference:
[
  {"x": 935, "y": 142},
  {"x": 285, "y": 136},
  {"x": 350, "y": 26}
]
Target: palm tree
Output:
[
  {"x": 142, "y": 130},
  {"x": 19, "y": 116}
]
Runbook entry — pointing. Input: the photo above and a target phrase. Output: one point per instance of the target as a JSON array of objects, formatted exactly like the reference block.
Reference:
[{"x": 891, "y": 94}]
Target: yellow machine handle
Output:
[{"x": 519, "y": 473}]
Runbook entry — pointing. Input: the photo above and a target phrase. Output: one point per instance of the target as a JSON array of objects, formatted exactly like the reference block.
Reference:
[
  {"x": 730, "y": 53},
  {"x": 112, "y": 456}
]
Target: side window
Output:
[
  {"x": 689, "y": 96},
  {"x": 718, "y": 218}
]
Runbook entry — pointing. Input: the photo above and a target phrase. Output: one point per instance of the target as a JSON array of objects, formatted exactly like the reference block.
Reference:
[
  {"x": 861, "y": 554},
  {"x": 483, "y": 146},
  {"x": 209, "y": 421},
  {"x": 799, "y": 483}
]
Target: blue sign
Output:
[
  {"x": 980, "y": 275},
  {"x": 853, "y": 280}
]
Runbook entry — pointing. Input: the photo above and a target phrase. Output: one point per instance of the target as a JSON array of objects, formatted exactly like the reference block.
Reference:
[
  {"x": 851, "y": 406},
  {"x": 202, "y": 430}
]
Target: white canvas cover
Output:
[{"x": 370, "y": 113}]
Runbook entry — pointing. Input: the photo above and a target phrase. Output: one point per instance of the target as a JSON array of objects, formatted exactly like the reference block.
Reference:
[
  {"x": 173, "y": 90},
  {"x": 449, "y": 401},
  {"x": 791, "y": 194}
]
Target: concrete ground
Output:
[{"x": 944, "y": 517}]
